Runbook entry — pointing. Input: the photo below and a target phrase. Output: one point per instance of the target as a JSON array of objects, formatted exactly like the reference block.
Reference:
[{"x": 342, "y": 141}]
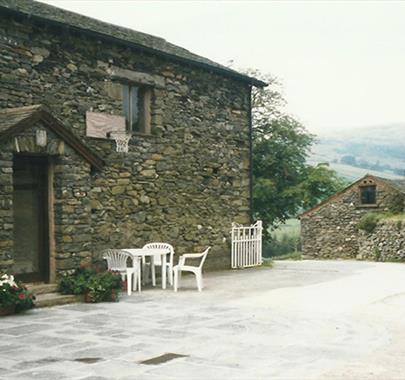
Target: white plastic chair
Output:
[
  {"x": 157, "y": 260},
  {"x": 117, "y": 262},
  {"x": 197, "y": 270}
]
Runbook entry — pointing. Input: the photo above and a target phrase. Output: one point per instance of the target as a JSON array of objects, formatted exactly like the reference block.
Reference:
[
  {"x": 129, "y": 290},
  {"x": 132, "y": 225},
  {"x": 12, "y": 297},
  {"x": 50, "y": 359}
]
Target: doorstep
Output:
[
  {"x": 53, "y": 299},
  {"x": 46, "y": 295}
]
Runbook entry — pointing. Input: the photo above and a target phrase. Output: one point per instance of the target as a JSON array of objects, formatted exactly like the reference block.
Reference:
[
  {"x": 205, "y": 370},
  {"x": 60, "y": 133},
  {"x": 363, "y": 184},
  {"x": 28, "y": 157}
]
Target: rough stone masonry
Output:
[
  {"x": 330, "y": 229},
  {"x": 184, "y": 183}
]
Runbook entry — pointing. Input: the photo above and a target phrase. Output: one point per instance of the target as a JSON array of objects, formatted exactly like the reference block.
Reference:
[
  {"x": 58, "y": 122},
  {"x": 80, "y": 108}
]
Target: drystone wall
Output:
[
  {"x": 184, "y": 184},
  {"x": 331, "y": 231},
  {"x": 385, "y": 243}
]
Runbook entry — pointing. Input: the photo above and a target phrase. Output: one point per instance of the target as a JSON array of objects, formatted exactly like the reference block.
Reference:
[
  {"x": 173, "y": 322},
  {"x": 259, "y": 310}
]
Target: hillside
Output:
[{"x": 378, "y": 150}]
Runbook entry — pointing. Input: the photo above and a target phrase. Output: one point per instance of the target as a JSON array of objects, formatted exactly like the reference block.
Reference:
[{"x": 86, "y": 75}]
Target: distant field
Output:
[
  {"x": 352, "y": 173},
  {"x": 291, "y": 227},
  {"x": 378, "y": 147},
  {"x": 284, "y": 240}
]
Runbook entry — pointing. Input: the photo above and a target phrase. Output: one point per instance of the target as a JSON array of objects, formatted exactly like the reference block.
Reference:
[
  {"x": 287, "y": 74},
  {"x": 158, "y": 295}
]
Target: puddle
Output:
[{"x": 162, "y": 358}]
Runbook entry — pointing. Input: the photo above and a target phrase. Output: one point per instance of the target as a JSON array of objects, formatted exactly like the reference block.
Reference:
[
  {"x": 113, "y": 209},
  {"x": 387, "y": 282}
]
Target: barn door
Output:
[{"x": 30, "y": 204}]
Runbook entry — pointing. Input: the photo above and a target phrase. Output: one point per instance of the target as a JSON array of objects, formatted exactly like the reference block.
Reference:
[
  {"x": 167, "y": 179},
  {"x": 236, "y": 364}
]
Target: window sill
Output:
[
  {"x": 139, "y": 134},
  {"x": 367, "y": 206}
]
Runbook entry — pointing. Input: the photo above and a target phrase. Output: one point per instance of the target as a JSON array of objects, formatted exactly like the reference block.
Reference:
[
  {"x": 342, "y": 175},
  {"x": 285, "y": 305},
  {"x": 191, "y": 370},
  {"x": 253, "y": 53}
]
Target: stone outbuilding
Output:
[
  {"x": 329, "y": 230},
  {"x": 69, "y": 86}
]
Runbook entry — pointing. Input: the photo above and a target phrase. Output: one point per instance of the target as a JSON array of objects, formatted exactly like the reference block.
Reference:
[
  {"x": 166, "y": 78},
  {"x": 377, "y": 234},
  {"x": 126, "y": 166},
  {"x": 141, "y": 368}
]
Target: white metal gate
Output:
[{"x": 246, "y": 245}]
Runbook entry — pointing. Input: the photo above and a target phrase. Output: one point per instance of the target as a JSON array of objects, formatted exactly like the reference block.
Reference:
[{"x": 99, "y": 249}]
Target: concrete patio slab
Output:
[{"x": 297, "y": 320}]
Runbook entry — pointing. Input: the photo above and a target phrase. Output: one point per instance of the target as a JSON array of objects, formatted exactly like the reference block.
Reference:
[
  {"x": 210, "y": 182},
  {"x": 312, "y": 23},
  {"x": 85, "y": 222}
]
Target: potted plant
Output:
[
  {"x": 103, "y": 287},
  {"x": 96, "y": 286},
  {"x": 76, "y": 282},
  {"x": 14, "y": 296}
]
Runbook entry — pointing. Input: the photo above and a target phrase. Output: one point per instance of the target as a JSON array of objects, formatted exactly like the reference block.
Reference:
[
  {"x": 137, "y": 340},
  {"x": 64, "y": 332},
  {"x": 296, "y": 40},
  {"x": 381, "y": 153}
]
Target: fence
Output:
[{"x": 246, "y": 245}]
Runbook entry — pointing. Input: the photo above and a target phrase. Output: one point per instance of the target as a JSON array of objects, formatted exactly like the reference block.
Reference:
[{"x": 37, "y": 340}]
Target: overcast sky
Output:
[{"x": 342, "y": 64}]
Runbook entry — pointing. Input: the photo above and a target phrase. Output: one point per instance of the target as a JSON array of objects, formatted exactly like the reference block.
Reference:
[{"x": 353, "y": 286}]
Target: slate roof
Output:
[
  {"x": 15, "y": 120},
  {"x": 146, "y": 42},
  {"x": 399, "y": 184},
  {"x": 13, "y": 116}
]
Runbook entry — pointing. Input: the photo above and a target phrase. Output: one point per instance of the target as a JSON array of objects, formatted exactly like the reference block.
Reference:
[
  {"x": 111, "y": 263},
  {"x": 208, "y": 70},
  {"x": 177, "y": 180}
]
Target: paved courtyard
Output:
[{"x": 297, "y": 320}]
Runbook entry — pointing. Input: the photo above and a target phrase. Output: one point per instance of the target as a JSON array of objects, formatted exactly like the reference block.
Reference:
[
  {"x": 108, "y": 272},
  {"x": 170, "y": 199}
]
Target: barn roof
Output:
[
  {"x": 398, "y": 184},
  {"x": 146, "y": 42},
  {"x": 15, "y": 120}
]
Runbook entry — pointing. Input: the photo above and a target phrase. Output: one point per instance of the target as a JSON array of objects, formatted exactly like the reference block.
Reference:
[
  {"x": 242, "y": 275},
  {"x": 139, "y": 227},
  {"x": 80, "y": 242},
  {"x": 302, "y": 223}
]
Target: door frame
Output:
[{"x": 44, "y": 219}]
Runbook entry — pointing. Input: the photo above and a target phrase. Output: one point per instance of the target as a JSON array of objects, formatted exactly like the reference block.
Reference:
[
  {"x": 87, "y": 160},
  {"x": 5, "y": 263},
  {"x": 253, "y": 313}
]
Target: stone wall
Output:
[
  {"x": 385, "y": 243},
  {"x": 184, "y": 184},
  {"x": 6, "y": 209},
  {"x": 330, "y": 231},
  {"x": 73, "y": 238},
  {"x": 71, "y": 185}
]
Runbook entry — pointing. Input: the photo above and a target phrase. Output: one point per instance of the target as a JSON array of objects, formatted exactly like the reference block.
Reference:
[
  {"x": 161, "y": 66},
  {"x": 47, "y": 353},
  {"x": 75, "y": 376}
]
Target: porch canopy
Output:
[{"x": 16, "y": 120}]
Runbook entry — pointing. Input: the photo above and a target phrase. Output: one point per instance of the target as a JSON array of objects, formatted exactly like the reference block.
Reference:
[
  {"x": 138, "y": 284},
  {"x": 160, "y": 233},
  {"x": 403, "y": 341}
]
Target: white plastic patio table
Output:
[{"x": 151, "y": 252}]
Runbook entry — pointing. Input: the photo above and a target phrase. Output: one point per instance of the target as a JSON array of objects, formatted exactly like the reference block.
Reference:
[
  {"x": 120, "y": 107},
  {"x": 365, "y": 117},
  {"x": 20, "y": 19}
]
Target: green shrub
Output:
[
  {"x": 104, "y": 287},
  {"x": 291, "y": 256},
  {"x": 368, "y": 222},
  {"x": 77, "y": 282},
  {"x": 281, "y": 245},
  {"x": 97, "y": 287}
]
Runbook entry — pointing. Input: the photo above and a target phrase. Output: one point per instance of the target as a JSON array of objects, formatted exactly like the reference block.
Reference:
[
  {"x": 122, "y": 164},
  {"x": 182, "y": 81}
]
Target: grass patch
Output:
[
  {"x": 395, "y": 218},
  {"x": 267, "y": 262},
  {"x": 283, "y": 240},
  {"x": 289, "y": 256},
  {"x": 368, "y": 222}
]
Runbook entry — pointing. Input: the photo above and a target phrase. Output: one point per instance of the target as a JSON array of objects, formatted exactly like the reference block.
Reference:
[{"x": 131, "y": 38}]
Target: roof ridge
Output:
[{"x": 101, "y": 29}]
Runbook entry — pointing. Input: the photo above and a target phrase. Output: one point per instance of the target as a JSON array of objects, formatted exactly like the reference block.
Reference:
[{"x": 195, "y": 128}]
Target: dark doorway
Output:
[{"x": 30, "y": 204}]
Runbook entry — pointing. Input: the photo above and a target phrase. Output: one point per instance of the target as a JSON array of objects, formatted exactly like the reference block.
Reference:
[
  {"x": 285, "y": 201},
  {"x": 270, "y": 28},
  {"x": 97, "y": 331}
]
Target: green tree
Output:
[
  {"x": 283, "y": 182},
  {"x": 319, "y": 182}
]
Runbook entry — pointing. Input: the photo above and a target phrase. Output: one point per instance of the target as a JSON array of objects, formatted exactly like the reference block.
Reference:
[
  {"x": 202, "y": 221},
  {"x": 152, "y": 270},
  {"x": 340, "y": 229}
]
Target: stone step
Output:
[
  {"x": 53, "y": 299},
  {"x": 42, "y": 288}
]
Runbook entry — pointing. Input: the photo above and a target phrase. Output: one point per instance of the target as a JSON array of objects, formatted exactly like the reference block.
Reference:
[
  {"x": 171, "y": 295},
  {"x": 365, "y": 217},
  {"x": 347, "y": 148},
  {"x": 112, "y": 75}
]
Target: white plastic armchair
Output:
[
  {"x": 157, "y": 261},
  {"x": 197, "y": 270},
  {"x": 117, "y": 262}
]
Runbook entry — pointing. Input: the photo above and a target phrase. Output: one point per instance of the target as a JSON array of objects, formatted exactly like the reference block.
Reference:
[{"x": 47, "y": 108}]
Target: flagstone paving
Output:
[{"x": 297, "y": 320}]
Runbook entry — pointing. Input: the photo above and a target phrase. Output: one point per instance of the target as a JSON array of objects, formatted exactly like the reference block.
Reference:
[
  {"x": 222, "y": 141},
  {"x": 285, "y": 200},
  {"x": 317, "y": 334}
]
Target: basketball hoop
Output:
[{"x": 121, "y": 140}]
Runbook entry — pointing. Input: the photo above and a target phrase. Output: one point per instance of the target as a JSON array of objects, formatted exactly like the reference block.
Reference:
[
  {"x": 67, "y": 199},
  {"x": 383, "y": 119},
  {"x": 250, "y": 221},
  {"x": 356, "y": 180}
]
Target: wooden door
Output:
[{"x": 30, "y": 204}]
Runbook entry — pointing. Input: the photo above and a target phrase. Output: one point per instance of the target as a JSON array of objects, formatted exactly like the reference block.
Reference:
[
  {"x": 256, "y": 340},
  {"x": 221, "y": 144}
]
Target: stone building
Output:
[
  {"x": 329, "y": 230},
  {"x": 69, "y": 84}
]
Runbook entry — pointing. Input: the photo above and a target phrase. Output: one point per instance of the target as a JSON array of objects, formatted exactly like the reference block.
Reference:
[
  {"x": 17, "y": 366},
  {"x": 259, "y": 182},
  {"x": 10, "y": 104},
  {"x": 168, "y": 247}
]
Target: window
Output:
[
  {"x": 136, "y": 105},
  {"x": 368, "y": 195}
]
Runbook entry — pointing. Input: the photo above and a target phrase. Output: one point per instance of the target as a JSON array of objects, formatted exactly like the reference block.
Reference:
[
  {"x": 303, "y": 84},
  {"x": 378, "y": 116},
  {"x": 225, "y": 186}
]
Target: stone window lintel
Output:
[{"x": 136, "y": 77}]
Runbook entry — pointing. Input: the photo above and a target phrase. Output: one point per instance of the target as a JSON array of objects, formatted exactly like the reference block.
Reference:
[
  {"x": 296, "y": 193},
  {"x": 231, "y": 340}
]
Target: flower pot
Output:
[{"x": 7, "y": 310}]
